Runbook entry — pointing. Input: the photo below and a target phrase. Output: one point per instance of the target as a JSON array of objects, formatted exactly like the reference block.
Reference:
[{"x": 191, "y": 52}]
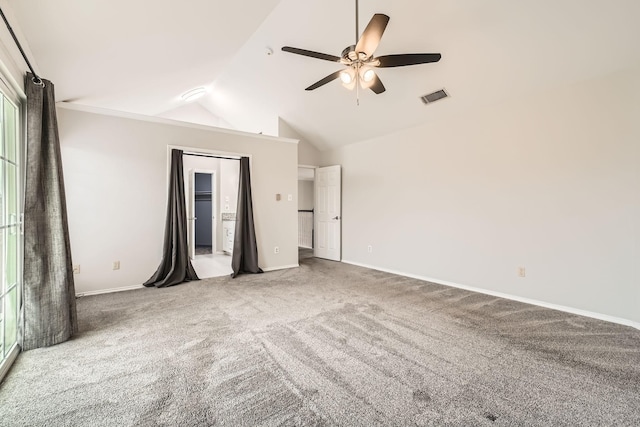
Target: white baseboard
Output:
[
  {"x": 282, "y": 267},
  {"x": 305, "y": 247},
  {"x": 130, "y": 288},
  {"x": 108, "y": 291},
  {"x": 566, "y": 309}
]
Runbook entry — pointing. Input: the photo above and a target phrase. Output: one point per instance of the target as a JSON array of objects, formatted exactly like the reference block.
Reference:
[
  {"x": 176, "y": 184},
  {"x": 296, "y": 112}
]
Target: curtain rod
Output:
[
  {"x": 209, "y": 155},
  {"x": 37, "y": 80}
]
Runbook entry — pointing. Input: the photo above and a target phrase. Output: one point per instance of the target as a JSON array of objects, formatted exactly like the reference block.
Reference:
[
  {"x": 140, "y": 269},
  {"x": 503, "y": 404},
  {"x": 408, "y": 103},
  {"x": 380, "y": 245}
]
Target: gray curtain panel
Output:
[
  {"x": 245, "y": 247},
  {"x": 49, "y": 315},
  {"x": 175, "y": 267}
]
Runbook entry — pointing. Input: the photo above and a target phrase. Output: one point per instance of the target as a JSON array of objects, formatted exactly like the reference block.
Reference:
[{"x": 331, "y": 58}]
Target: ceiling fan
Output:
[{"x": 359, "y": 60}]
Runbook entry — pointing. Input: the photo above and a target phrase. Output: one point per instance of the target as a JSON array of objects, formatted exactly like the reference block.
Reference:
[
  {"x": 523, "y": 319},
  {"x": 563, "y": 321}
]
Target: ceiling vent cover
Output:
[{"x": 435, "y": 96}]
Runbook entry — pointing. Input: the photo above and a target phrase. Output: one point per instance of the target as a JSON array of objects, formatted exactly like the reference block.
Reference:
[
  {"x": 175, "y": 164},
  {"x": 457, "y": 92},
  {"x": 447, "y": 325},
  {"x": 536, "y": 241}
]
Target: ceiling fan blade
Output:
[
  {"x": 311, "y": 54},
  {"x": 377, "y": 85},
  {"x": 331, "y": 77},
  {"x": 387, "y": 61},
  {"x": 371, "y": 36}
]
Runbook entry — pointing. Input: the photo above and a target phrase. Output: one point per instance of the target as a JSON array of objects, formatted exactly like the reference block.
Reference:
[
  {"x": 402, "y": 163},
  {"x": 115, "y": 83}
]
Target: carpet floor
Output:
[{"x": 322, "y": 345}]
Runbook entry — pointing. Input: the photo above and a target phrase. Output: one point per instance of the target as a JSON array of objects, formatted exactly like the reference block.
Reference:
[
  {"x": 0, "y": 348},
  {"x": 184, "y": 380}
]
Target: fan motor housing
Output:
[
  {"x": 350, "y": 56},
  {"x": 349, "y": 53}
]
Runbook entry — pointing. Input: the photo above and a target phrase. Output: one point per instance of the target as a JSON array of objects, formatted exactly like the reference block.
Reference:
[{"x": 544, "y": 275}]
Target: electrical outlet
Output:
[
  {"x": 369, "y": 249},
  {"x": 76, "y": 269},
  {"x": 116, "y": 265},
  {"x": 276, "y": 250},
  {"x": 521, "y": 272}
]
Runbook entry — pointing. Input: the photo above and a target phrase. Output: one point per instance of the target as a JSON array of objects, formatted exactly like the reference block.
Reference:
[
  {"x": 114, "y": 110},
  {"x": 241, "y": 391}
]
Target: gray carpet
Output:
[
  {"x": 304, "y": 253},
  {"x": 326, "y": 344}
]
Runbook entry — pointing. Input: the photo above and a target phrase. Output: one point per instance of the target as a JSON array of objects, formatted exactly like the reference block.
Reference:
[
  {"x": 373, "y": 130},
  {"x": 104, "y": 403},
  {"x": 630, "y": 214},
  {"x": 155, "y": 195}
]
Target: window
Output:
[{"x": 11, "y": 239}]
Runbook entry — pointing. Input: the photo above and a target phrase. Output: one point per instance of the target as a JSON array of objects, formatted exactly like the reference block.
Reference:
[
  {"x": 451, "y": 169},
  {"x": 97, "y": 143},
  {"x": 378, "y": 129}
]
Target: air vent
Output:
[{"x": 435, "y": 96}]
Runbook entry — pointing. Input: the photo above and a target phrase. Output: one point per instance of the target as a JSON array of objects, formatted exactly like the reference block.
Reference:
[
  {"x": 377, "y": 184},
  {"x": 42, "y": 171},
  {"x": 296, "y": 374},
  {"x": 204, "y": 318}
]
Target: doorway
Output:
[
  {"x": 211, "y": 189},
  {"x": 306, "y": 203}
]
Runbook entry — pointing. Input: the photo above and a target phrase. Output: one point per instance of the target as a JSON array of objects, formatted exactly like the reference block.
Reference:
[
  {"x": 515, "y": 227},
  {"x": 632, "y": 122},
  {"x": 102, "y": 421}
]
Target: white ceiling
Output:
[{"x": 139, "y": 56}]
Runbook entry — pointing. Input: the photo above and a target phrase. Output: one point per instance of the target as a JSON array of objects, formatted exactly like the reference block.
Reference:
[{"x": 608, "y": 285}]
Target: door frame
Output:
[{"x": 15, "y": 95}]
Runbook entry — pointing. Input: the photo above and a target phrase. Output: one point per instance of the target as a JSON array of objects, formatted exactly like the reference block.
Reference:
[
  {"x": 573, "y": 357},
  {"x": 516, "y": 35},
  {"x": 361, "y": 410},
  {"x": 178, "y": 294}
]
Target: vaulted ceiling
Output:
[{"x": 139, "y": 56}]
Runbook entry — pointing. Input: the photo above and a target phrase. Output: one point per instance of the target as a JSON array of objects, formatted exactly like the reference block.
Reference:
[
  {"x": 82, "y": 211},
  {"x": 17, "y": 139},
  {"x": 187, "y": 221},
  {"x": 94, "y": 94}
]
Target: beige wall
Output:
[
  {"x": 116, "y": 180},
  {"x": 550, "y": 183}
]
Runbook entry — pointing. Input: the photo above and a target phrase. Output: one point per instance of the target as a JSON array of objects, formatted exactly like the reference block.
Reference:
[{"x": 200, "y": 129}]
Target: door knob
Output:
[{"x": 337, "y": 217}]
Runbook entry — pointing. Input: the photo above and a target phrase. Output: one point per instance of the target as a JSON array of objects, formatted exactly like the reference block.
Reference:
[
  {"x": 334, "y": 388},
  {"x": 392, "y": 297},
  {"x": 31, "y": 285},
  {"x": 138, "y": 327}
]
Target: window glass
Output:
[{"x": 11, "y": 238}]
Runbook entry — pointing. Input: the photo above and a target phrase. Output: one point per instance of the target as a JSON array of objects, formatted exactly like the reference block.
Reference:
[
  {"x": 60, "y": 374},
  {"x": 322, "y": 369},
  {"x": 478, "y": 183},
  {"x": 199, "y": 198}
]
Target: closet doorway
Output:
[{"x": 203, "y": 201}]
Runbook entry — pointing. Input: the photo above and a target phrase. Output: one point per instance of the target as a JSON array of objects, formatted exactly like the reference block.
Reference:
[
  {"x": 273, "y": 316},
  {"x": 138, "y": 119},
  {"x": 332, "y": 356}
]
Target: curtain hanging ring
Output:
[{"x": 37, "y": 81}]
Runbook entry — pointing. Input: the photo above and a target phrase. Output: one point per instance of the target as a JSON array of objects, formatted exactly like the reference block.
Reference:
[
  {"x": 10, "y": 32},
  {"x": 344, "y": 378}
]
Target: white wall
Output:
[
  {"x": 116, "y": 180},
  {"x": 305, "y": 195},
  {"x": 194, "y": 113},
  {"x": 229, "y": 182},
  {"x": 10, "y": 59},
  {"x": 550, "y": 183},
  {"x": 308, "y": 154}
]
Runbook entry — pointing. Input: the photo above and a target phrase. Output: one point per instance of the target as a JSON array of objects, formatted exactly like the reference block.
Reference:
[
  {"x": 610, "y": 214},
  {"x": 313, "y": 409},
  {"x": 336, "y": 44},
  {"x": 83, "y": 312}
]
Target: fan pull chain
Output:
[{"x": 358, "y": 85}]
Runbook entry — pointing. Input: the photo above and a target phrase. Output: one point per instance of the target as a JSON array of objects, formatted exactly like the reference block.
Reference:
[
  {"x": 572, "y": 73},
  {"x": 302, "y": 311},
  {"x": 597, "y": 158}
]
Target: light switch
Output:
[
  {"x": 226, "y": 198},
  {"x": 290, "y": 197},
  {"x": 277, "y": 197}
]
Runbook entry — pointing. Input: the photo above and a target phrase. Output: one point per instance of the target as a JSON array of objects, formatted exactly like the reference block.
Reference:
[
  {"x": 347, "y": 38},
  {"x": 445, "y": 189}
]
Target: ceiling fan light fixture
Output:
[
  {"x": 367, "y": 75},
  {"x": 347, "y": 76}
]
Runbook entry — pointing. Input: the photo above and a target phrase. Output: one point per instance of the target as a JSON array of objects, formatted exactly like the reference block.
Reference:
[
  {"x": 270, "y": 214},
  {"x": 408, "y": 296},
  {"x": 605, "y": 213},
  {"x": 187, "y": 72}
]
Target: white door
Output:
[
  {"x": 327, "y": 213},
  {"x": 191, "y": 213}
]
